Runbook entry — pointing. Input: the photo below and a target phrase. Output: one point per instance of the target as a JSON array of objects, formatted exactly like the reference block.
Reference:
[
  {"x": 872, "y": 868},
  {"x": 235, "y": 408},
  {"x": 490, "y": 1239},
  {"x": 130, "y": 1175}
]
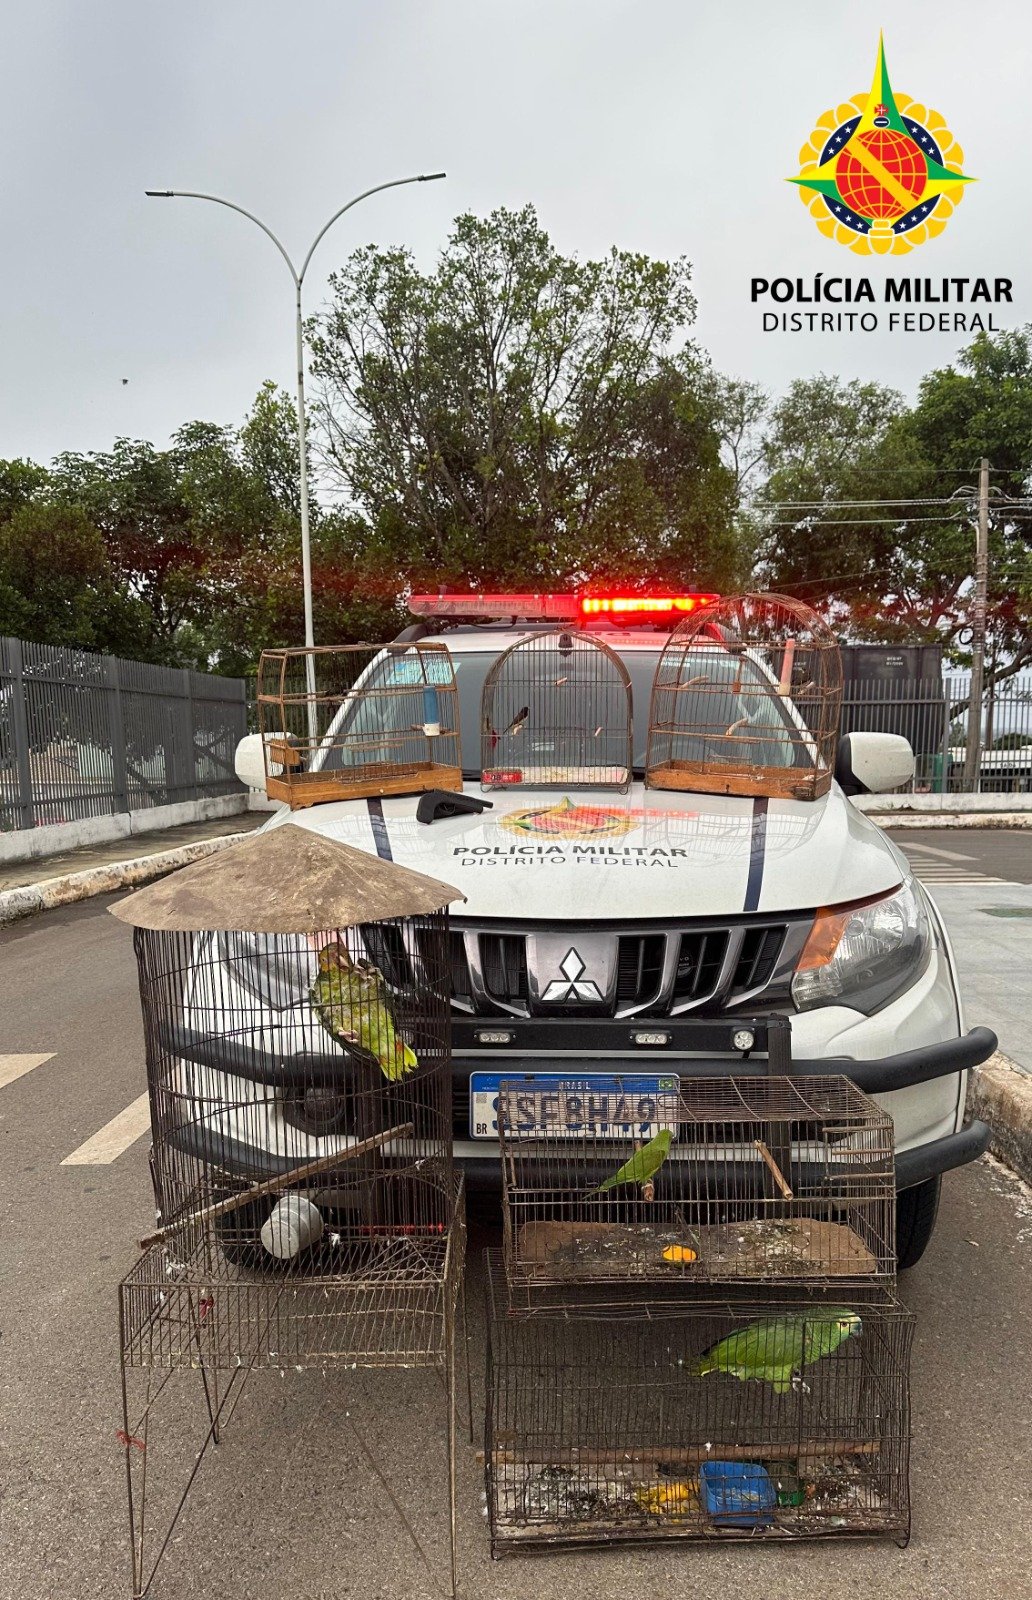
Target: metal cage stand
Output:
[
  {"x": 183, "y": 1315},
  {"x": 295, "y": 997}
]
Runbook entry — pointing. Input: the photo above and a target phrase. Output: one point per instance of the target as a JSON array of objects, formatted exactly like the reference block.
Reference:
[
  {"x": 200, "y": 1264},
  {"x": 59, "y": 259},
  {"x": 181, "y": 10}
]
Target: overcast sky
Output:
[{"x": 666, "y": 126}]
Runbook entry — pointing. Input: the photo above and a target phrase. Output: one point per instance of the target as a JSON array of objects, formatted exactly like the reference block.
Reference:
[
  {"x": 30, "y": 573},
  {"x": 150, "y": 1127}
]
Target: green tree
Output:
[
  {"x": 57, "y": 586},
  {"x": 516, "y": 415},
  {"x": 824, "y": 448},
  {"x": 868, "y": 503},
  {"x": 20, "y": 482}
]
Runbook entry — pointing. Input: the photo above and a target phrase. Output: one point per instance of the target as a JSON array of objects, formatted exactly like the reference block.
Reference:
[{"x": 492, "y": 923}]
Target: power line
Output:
[
  {"x": 1008, "y": 504},
  {"x": 790, "y": 505},
  {"x": 932, "y": 471},
  {"x": 866, "y": 522}
]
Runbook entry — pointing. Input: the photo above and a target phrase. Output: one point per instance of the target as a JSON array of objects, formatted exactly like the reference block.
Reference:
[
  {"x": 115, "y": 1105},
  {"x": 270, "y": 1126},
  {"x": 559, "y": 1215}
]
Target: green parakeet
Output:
[
  {"x": 643, "y": 1165},
  {"x": 777, "y": 1351},
  {"x": 350, "y": 1000}
]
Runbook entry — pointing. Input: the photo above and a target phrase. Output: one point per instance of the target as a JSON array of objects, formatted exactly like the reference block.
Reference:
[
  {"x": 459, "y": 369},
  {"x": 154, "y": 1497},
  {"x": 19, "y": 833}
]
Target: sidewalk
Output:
[
  {"x": 22, "y": 874},
  {"x": 989, "y": 929}
]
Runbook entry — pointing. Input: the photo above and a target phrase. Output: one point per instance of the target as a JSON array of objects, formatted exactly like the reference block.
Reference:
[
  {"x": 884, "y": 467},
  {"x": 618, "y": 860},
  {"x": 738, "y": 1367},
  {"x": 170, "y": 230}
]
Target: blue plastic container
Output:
[{"x": 737, "y": 1494}]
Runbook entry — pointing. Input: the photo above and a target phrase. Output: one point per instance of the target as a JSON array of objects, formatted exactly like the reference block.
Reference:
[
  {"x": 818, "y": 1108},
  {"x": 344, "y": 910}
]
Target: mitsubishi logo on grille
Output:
[{"x": 572, "y": 985}]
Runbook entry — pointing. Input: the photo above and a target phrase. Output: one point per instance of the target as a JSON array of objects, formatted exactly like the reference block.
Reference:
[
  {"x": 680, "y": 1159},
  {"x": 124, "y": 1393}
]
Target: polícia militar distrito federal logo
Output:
[{"x": 881, "y": 173}]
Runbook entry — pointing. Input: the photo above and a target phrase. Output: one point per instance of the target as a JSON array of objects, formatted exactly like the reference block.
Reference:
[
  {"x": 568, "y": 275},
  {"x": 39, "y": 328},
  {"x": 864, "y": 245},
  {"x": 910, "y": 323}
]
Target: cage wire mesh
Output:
[
  {"x": 711, "y": 1420},
  {"x": 345, "y": 721},
  {"x": 714, "y": 1181},
  {"x": 746, "y": 700},
  {"x": 195, "y": 1327},
  {"x": 556, "y": 712},
  {"x": 300, "y": 1089},
  {"x": 300, "y": 1095}
]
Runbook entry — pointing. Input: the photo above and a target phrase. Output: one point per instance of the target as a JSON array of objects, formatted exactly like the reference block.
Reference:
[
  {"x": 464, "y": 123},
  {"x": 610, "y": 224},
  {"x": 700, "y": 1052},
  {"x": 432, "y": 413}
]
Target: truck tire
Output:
[{"x": 916, "y": 1210}]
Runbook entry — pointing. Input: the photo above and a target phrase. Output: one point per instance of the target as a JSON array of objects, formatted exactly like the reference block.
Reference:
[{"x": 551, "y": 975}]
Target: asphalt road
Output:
[
  {"x": 968, "y": 855},
  {"x": 287, "y": 1506}
]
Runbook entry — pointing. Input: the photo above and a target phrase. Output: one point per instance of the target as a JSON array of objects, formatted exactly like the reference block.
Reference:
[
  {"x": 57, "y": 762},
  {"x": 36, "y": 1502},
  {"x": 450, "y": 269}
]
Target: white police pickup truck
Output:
[{"x": 619, "y": 939}]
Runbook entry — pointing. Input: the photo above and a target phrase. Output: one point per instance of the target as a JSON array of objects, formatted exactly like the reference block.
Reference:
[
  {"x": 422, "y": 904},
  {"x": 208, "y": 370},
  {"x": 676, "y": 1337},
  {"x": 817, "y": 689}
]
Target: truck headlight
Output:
[
  {"x": 278, "y": 969},
  {"x": 863, "y": 955}
]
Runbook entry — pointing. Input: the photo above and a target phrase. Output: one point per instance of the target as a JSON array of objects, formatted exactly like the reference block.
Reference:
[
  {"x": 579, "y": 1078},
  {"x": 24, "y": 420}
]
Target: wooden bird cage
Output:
[
  {"x": 746, "y": 701},
  {"x": 604, "y": 1428},
  {"x": 342, "y": 722},
  {"x": 765, "y": 1181},
  {"x": 556, "y": 714}
]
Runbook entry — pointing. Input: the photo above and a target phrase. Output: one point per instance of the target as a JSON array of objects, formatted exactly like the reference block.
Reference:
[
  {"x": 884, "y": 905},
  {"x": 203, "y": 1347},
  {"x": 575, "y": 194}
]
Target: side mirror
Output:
[
  {"x": 248, "y": 763},
  {"x": 874, "y": 763}
]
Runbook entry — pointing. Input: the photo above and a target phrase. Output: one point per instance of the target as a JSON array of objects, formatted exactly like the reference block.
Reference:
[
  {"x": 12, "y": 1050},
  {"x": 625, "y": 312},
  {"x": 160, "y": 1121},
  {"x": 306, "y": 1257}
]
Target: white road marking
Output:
[
  {"x": 933, "y": 865},
  {"x": 933, "y": 850},
  {"x": 955, "y": 877},
  {"x": 14, "y": 1067},
  {"x": 109, "y": 1142}
]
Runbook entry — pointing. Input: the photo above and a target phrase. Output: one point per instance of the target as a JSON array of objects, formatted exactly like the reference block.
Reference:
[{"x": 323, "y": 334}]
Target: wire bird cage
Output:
[
  {"x": 745, "y": 701},
  {"x": 705, "y": 1182},
  {"x": 295, "y": 997},
  {"x": 299, "y": 1073},
  {"x": 345, "y": 721},
  {"x": 556, "y": 713},
  {"x": 712, "y": 1421}
]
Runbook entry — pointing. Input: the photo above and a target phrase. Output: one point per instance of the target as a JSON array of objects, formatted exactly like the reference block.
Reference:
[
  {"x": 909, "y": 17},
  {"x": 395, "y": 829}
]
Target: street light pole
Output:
[
  {"x": 302, "y": 428},
  {"x": 973, "y": 754}
]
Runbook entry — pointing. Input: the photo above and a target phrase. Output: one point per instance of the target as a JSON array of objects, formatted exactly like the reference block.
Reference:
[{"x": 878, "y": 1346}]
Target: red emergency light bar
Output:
[
  {"x": 561, "y": 607},
  {"x": 654, "y": 605},
  {"x": 557, "y": 607}
]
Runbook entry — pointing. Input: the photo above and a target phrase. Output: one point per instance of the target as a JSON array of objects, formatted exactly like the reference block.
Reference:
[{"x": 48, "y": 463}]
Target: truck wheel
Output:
[{"x": 916, "y": 1211}]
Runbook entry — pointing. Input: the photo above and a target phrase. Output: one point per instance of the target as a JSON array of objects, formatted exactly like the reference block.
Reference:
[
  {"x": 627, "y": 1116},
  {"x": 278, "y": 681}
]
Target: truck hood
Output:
[{"x": 540, "y": 855}]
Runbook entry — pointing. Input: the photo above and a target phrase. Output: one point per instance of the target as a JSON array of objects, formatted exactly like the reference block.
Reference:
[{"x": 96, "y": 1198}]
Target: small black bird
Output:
[{"x": 516, "y": 725}]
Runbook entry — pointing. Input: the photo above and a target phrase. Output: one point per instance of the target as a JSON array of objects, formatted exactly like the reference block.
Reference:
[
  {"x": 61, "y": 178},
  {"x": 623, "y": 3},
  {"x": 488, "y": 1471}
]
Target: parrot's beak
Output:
[{"x": 330, "y": 957}]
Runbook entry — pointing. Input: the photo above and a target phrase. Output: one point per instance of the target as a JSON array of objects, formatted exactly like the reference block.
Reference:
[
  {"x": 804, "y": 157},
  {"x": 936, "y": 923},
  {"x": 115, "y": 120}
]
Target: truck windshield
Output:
[{"x": 749, "y": 695}]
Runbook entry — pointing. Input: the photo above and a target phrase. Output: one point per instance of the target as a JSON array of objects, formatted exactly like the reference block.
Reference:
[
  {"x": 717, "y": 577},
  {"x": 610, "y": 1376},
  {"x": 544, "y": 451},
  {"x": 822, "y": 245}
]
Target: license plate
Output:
[{"x": 605, "y": 1107}]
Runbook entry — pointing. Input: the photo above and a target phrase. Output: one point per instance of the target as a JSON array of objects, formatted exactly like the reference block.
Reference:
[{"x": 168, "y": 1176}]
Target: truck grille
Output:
[
  {"x": 659, "y": 971},
  {"x": 503, "y": 964}
]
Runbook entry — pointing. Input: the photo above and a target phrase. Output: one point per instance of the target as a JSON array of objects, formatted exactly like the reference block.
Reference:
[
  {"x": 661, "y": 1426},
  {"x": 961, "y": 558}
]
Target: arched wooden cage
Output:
[
  {"x": 344, "y": 721},
  {"x": 555, "y": 714},
  {"x": 746, "y": 701}
]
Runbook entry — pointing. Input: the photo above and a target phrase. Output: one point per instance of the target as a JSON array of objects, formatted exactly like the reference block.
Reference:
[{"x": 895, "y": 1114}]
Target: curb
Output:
[
  {"x": 53, "y": 892},
  {"x": 950, "y": 819},
  {"x": 1001, "y": 1094}
]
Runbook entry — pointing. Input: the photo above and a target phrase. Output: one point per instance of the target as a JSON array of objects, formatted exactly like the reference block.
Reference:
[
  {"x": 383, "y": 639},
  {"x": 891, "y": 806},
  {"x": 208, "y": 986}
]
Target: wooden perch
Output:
[
  {"x": 220, "y": 1208},
  {"x": 775, "y": 1169},
  {"x": 787, "y": 663}
]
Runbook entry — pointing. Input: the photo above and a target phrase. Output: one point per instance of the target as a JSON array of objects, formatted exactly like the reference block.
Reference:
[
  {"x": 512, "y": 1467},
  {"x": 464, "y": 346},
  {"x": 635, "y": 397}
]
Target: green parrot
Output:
[
  {"x": 350, "y": 1000},
  {"x": 777, "y": 1351},
  {"x": 643, "y": 1165}
]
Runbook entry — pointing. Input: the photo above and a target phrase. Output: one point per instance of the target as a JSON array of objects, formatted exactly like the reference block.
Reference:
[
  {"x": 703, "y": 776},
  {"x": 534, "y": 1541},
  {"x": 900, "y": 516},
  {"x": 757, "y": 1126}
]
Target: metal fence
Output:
[
  {"x": 84, "y": 735},
  {"x": 935, "y": 716}
]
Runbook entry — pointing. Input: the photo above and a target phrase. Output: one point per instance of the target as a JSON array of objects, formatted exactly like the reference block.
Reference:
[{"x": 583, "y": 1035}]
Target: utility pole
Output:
[{"x": 973, "y": 757}]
